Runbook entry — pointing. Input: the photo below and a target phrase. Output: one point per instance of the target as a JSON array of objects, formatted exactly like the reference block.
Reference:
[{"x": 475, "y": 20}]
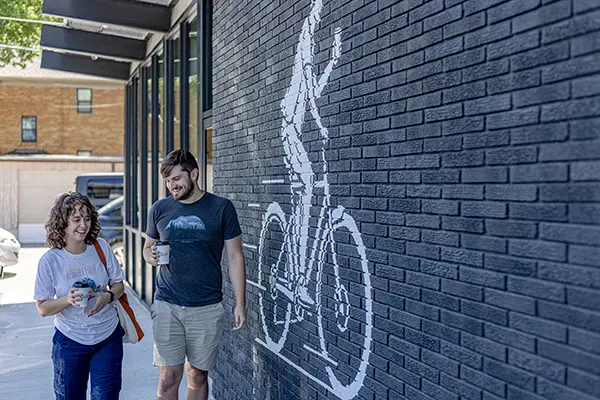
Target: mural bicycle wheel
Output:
[
  {"x": 345, "y": 315},
  {"x": 273, "y": 275}
]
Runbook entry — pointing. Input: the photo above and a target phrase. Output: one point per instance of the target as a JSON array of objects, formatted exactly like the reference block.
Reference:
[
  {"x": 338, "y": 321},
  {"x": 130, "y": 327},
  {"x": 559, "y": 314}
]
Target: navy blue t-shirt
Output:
[{"x": 197, "y": 234}]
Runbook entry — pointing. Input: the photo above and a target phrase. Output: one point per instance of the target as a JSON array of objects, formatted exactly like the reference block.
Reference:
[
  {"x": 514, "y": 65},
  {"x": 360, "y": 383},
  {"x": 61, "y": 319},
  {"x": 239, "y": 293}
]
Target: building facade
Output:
[
  {"x": 54, "y": 112},
  {"x": 417, "y": 184}
]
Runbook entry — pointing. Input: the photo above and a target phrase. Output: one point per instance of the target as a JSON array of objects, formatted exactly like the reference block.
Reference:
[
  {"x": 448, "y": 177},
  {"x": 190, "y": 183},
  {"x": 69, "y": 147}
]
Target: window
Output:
[
  {"x": 84, "y": 101},
  {"x": 193, "y": 86},
  {"x": 177, "y": 92},
  {"x": 103, "y": 190},
  {"x": 207, "y": 57},
  {"x": 28, "y": 129},
  {"x": 209, "y": 159}
]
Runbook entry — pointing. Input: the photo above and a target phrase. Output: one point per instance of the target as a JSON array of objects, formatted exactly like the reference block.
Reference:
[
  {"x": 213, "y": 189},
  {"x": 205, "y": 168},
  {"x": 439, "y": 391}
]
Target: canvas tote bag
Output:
[{"x": 133, "y": 331}]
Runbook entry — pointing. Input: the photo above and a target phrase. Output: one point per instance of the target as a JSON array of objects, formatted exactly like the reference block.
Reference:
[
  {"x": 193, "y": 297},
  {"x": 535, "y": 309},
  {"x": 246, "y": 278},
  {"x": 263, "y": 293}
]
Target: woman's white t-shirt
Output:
[{"x": 58, "y": 270}]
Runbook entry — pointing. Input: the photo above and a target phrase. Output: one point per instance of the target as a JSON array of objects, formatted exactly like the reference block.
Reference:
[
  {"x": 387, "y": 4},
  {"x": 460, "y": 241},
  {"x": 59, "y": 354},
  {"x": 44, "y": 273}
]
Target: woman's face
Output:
[{"x": 79, "y": 225}]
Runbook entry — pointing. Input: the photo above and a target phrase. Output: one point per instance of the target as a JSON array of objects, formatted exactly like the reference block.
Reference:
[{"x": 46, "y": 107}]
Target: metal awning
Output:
[
  {"x": 86, "y": 65},
  {"x": 134, "y": 14},
  {"x": 81, "y": 42},
  {"x": 101, "y": 37}
]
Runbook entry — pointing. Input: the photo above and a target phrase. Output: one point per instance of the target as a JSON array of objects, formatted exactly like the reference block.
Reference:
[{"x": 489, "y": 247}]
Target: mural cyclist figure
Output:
[{"x": 187, "y": 313}]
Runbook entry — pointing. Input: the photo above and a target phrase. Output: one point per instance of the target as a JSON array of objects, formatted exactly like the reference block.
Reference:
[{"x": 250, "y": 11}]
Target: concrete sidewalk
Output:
[{"x": 26, "y": 342}]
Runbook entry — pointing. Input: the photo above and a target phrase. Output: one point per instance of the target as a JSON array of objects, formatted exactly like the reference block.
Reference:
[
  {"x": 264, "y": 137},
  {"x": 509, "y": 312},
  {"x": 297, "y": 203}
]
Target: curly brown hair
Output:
[{"x": 64, "y": 207}]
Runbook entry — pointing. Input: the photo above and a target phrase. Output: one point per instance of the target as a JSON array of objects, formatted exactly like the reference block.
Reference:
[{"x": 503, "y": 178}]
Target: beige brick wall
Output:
[{"x": 60, "y": 129}]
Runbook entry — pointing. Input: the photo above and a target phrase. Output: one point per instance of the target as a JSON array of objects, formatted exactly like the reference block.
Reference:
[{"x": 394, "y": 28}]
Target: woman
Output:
[{"x": 88, "y": 340}]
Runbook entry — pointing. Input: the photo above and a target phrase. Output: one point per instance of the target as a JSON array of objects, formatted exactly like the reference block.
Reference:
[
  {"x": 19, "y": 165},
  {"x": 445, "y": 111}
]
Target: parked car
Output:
[
  {"x": 9, "y": 250},
  {"x": 110, "y": 217},
  {"x": 100, "y": 188}
]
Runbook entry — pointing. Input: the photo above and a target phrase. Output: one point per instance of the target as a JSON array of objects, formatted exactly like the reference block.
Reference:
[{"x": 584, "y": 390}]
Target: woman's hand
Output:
[
  {"x": 73, "y": 298},
  {"x": 102, "y": 299}
]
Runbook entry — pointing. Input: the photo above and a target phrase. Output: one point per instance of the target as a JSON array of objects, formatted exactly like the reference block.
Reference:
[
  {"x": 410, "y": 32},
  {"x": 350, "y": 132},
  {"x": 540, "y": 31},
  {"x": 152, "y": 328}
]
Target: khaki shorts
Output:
[{"x": 194, "y": 332}]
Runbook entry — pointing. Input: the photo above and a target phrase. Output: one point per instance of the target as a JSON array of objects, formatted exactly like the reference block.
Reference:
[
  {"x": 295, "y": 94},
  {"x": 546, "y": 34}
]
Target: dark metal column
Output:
[
  {"x": 144, "y": 73},
  {"x": 134, "y": 154},
  {"x": 200, "y": 83},
  {"x": 144, "y": 147},
  {"x": 127, "y": 183},
  {"x": 155, "y": 124},
  {"x": 169, "y": 97},
  {"x": 127, "y": 156},
  {"x": 133, "y": 267},
  {"x": 184, "y": 83}
]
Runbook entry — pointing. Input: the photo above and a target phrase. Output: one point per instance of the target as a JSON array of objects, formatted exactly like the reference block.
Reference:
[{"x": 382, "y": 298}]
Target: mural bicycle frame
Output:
[{"x": 291, "y": 272}]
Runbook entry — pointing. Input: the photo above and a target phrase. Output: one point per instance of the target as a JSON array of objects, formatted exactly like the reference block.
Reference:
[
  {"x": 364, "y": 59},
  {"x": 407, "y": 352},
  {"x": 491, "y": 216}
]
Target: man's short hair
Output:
[{"x": 183, "y": 158}]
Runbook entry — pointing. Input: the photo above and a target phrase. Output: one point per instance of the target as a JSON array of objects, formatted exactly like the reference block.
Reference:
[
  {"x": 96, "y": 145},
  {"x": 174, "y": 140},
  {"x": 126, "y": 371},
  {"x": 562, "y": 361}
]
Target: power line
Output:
[
  {"x": 91, "y": 106},
  {"x": 64, "y": 106},
  {"x": 33, "y": 21},
  {"x": 10, "y": 46}
]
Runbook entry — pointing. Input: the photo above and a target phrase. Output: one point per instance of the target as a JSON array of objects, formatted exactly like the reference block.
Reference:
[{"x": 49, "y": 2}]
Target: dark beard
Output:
[{"x": 189, "y": 190}]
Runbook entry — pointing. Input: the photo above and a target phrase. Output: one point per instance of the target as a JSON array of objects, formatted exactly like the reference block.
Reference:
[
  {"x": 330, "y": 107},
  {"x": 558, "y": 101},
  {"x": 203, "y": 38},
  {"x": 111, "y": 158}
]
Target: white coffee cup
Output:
[
  {"x": 84, "y": 291},
  {"x": 163, "y": 252}
]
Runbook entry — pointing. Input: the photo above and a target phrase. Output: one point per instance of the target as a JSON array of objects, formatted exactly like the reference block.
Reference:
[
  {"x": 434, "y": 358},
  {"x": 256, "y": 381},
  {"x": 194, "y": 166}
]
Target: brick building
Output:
[
  {"x": 57, "y": 112},
  {"x": 418, "y": 184}
]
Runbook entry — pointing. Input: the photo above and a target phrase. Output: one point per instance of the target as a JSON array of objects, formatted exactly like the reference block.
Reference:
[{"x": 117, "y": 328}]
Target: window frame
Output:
[
  {"x": 35, "y": 129},
  {"x": 84, "y": 103}
]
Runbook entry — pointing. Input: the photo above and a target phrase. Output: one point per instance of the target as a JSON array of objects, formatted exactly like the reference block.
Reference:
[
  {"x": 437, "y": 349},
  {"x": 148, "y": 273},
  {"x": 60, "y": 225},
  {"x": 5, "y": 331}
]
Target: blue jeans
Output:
[{"x": 74, "y": 362}]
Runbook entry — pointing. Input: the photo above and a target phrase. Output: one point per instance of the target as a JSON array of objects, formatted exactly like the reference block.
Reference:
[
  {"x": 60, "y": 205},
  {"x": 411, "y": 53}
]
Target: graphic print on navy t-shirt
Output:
[{"x": 186, "y": 228}]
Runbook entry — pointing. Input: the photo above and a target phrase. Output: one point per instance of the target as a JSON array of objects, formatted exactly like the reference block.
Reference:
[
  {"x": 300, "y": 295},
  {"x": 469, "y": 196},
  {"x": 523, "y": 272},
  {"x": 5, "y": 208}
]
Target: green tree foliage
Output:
[{"x": 18, "y": 33}]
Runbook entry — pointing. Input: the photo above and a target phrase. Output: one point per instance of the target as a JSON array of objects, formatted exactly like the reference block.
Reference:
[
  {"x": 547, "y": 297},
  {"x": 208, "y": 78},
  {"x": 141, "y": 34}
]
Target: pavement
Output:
[{"x": 26, "y": 341}]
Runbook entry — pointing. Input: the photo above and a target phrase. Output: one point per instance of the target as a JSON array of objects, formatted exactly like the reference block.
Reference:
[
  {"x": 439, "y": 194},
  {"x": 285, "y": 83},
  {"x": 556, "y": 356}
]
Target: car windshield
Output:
[{"x": 111, "y": 205}]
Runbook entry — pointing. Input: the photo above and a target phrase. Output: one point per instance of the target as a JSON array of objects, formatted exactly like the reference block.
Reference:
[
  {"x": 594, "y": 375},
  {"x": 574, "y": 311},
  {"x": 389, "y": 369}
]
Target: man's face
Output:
[{"x": 180, "y": 183}]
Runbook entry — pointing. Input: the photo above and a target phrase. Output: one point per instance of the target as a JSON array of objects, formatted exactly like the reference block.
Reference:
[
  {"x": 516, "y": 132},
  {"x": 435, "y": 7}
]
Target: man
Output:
[{"x": 187, "y": 313}]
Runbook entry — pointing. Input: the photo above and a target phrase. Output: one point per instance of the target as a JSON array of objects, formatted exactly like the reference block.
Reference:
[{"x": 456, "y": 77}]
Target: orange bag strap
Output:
[
  {"x": 101, "y": 255},
  {"x": 123, "y": 299}
]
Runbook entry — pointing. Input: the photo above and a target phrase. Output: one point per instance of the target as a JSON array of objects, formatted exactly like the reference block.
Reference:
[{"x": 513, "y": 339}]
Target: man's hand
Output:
[
  {"x": 102, "y": 299},
  {"x": 151, "y": 255},
  {"x": 239, "y": 317}
]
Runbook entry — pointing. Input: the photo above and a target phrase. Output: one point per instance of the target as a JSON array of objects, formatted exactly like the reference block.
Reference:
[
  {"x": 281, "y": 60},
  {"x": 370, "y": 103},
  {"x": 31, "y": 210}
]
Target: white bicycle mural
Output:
[{"x": 299, "y": 272}]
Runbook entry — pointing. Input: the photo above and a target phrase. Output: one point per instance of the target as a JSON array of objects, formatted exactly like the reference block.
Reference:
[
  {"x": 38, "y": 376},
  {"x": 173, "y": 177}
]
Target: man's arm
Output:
[
  {"x": 149, "y": 252},
  {"x": 237, "y": 273}
]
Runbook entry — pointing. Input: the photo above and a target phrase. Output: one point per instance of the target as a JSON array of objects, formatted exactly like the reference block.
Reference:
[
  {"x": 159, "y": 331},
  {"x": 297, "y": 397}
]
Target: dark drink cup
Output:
[{"x": 83, "y": 289}]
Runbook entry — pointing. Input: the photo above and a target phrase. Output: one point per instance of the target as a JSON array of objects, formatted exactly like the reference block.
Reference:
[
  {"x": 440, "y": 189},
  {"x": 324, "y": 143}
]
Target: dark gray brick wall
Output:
[{"x": 465, "y": 143}]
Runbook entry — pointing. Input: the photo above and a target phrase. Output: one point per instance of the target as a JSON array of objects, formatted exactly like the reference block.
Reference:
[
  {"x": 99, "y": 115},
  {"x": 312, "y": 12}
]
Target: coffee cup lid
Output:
[{"x": 79, "y": 284}]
